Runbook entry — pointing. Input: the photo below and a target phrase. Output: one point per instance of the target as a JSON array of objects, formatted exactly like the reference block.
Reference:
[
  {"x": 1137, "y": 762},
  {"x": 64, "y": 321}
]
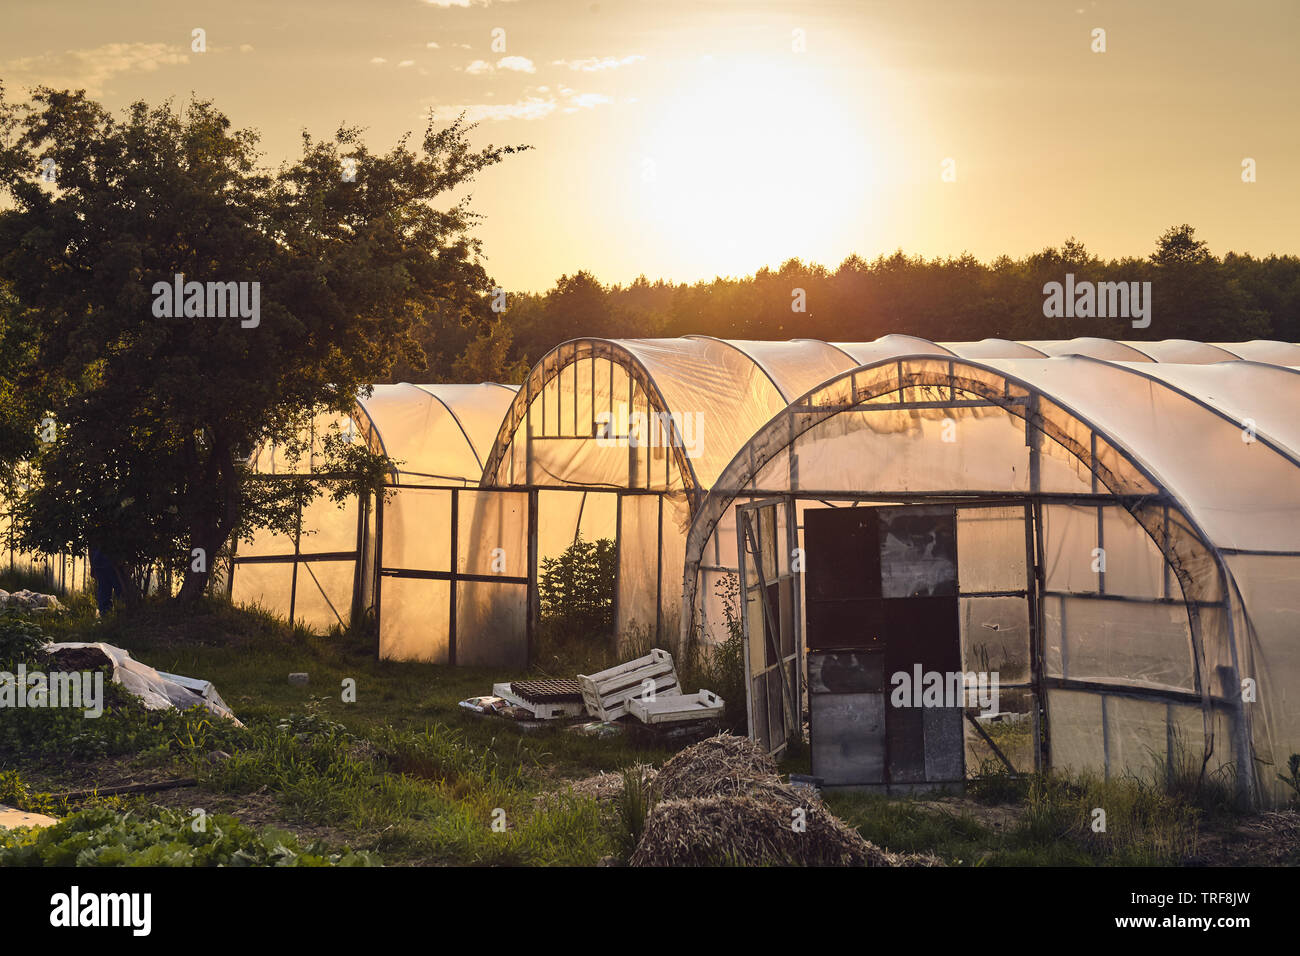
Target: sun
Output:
[{"x": 754, "y": 161}]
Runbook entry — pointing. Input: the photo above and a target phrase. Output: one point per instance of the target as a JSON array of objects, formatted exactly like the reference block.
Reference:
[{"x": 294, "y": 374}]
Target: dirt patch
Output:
[
  {"x": 1269, "y": 839},
  {"x": 98, "y": 775},
  {"x": 81, "y": 658},
  {"x": 257, "y": 809},
  {"x": 1000, "y": 818}
]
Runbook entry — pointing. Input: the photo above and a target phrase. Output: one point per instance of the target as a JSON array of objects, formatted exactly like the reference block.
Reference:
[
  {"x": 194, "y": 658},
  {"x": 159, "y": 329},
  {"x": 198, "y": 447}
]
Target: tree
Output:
[
  {"x": 1178, "y": 245},
  {"x": 1194, "y": 297},
  {"x": 159, "y": 403},
  {"x": 486, "y": 358}
]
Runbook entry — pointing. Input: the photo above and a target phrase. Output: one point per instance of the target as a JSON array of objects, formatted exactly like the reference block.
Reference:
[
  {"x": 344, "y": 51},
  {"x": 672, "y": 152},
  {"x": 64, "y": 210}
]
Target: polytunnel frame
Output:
[
  {"x": 368, "y": 554},
  {"x": 745, "y": 466},
  {"x": 453, "y": 575},
  {"x": 358, "y": 555},
  {"x": 550, "y": 367}
]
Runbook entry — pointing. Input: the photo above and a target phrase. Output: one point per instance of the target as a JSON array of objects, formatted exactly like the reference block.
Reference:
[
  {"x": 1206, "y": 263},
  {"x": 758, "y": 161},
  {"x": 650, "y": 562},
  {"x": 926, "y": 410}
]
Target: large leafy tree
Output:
[{"x": 157, "y": 416}]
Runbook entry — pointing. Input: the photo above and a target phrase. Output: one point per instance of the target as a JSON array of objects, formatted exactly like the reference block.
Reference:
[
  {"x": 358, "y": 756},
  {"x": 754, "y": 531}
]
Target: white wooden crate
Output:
[
  {"x": 606, "y": 694},
  {"x": 666, "y": 710}
]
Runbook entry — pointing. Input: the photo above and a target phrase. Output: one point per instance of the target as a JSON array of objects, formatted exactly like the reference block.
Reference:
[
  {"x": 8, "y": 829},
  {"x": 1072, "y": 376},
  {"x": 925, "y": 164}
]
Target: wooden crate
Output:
[
  {"x": 678, "y": 707},
  {"x": 606, "y": 694}
]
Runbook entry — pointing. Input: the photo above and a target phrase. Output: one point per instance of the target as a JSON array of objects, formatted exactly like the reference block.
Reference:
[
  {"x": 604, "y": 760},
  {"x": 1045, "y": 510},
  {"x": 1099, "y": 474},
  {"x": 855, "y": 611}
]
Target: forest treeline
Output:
[{"x": 1194, "y": 295}]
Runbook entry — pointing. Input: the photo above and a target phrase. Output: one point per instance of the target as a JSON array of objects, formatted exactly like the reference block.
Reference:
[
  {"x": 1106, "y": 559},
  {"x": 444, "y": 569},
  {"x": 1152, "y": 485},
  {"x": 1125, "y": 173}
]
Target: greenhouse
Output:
[
  {"x": 342, "y": 563},
  {"x": 1118, "y": 540},
  {"x": 1111, "y": 527},
  {"x": 622, "y": 439}
]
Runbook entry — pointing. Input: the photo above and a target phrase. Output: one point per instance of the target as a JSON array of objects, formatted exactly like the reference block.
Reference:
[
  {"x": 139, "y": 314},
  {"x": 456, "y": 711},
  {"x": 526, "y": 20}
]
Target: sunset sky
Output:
[{"x": 684, "y": 139}]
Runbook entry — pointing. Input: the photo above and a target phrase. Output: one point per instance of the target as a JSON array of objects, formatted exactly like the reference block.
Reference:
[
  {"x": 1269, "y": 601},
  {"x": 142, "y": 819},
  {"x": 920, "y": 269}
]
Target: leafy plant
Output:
[
  {"x": 577, "y": 588},
  {"x": 103, "y": 837},
  {"x": 635, "y": 801},
  {"x": 1292, "y": 778},
  {"x": 21, "y": 642}
]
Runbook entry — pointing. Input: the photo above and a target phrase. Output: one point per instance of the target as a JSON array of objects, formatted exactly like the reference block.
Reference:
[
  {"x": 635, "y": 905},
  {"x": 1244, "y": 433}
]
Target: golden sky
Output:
[{"x": 685, "y": 139}]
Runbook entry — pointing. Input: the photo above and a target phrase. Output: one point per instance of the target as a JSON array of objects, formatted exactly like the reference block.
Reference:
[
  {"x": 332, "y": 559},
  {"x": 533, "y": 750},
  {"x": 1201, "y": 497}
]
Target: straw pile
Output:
[
  {"x": 721, "y": 802},
  {"x": 745, "y": 831},
  {"x": 720, "y": 766}
]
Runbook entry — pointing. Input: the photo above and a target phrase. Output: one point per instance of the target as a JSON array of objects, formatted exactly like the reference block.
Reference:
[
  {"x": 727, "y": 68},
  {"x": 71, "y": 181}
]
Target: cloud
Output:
[
  {"x": 537, "y": 103},
  {"x": 520, "y": 64},
  {"x": 529, "y": 108},
  {"x": 406, "y": 63},
  {"x": 91, "y": 69},
  {"x": 593, "y": 64},
  {"x": 448, "y": 4},
  {"x": 377, "y": 59},
  {"x": 517, "y": 64},
  {"x": 431, "y": 45},
  {"x": 586, "y": 101}
]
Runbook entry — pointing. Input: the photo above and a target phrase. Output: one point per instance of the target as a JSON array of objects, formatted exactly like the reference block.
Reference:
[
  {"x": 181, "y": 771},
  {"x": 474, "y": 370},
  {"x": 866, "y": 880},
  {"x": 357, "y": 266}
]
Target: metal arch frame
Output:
[
  {"x": 548, "y": 368},
  {"x": 454, "y": 417},
  {"x": 919, "y": 378},
  {"x": 1293, "y": 457}
]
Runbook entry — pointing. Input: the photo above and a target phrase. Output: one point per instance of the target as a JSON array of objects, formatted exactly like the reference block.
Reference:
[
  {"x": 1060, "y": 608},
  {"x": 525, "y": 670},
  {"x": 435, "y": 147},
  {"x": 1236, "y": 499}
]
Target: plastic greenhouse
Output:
[
  {"x": 1114, "y": 527},
  {"x": 333, "y": 569},
  {"x": 1121, "y": 540}
]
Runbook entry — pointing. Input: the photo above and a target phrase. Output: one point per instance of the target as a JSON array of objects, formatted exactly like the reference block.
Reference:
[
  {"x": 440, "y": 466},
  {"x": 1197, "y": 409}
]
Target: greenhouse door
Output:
[
  {"x": 769, "y": 589},
  {"x": 918, "y": 634}
]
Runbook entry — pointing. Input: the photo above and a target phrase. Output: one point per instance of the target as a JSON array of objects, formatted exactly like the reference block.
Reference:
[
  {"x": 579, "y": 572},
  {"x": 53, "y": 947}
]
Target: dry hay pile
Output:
[
  {"x": 720, "y": 766},
  {"x": 721, "y": 802},
  {"x": 745, "y": 831}
]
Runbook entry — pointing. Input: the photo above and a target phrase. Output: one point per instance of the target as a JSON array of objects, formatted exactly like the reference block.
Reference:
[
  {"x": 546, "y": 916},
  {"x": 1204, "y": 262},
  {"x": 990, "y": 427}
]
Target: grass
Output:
[
  {"x": 402, "y": 770},
  {"x": 405, "y": 775}
]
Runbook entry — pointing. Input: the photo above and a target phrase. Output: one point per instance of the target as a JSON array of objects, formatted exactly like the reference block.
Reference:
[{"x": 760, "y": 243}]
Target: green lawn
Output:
[{"x": 406, "y": 776}]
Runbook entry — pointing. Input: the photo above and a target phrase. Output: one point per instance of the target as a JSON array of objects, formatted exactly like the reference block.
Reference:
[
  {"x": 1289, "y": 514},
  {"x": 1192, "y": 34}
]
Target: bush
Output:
[{"x": 21, "y": 642}]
